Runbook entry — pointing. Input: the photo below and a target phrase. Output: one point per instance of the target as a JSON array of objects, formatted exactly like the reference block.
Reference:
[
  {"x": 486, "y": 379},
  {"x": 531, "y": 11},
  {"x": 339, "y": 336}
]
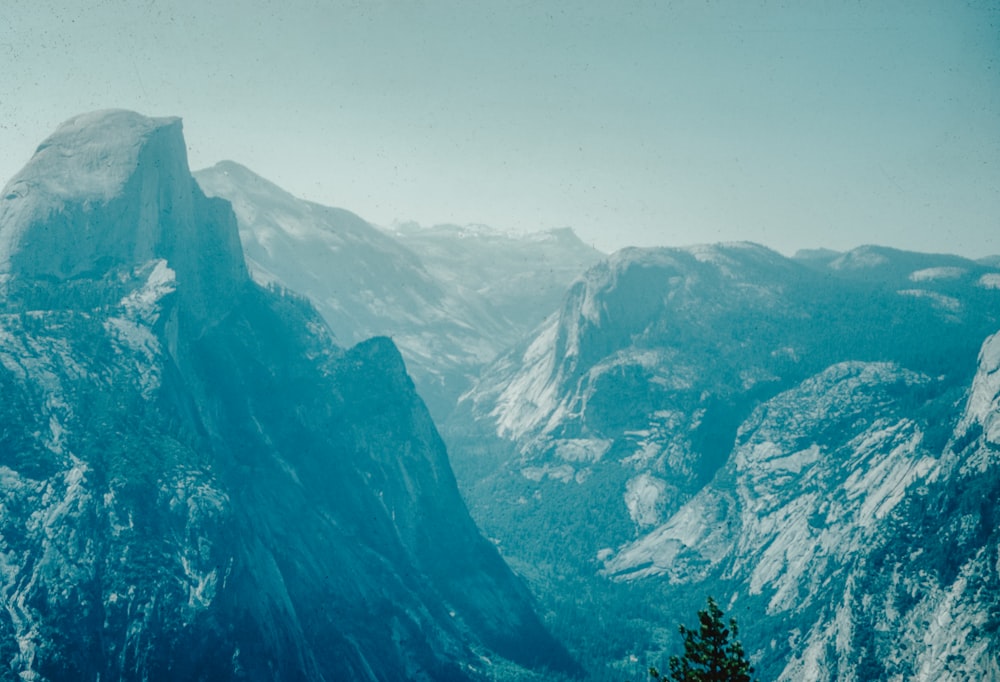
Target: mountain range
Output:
[
  {"x": 197, "y": 482},
  {"x": 780, "y": 433},
  {"x": 216, "y": 464},
  {"x": 621, "y": 452}
]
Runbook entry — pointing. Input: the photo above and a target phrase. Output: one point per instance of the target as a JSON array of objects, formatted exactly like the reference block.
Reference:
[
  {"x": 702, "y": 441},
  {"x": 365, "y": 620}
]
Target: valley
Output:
[{"x": 248, "y": 436}]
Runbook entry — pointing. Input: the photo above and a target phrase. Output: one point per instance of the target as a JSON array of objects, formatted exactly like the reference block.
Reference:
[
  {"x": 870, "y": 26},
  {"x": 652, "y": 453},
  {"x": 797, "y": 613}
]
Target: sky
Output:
[{"x": 807, "y": 124}]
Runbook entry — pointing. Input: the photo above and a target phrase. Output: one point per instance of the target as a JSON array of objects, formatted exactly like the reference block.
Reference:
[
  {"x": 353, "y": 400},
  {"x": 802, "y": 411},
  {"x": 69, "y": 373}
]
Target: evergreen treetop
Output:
[{"x": 712, "y": 653}]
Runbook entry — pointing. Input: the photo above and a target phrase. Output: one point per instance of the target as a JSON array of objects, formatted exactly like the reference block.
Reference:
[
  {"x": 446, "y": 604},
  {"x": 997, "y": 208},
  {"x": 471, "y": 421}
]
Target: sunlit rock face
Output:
[
  {"x": 195, "y": 481},
  {"x": 793, "y": 436},
  {"x": 109, "y": 192}
]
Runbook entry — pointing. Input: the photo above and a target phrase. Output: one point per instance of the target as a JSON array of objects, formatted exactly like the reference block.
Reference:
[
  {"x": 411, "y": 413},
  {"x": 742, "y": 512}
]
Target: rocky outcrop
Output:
[{"x": 723, "y": 420}]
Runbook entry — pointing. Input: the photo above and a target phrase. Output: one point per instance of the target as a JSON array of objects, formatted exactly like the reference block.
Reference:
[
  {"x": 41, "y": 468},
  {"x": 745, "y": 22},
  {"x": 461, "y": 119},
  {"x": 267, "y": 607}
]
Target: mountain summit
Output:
[
  {"x": 106, "y": 193},
  {"x": 197, "y": 483}
]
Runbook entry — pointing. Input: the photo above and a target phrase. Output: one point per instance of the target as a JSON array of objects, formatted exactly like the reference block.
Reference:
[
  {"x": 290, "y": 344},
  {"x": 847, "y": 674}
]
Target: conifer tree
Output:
[{"x": 712, "y": 653}]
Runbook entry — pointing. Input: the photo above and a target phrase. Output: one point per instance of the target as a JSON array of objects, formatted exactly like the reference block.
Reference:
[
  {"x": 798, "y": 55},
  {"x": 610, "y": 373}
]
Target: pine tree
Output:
[{"x": 711, "y": 653}]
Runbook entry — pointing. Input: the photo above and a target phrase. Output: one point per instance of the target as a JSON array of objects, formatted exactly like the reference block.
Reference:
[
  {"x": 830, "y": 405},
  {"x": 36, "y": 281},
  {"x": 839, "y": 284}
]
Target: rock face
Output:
[
  {"x": 782, "y": 434},
  {"x": 109, "y": 192},
  {"x": 195, "y": 481},
  {"x": 451, "y": 298}
]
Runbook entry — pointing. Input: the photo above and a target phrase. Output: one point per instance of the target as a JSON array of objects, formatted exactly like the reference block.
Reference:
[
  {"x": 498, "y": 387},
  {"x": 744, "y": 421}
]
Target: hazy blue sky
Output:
[{"x": 799, "y": 124}]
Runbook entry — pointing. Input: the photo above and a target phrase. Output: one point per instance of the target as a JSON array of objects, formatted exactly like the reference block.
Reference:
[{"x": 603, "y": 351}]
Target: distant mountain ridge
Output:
[
  {"x": 523, "y": 276},
  {"x": 451, "y": 305},
  {"x": 197, "y": 483}
]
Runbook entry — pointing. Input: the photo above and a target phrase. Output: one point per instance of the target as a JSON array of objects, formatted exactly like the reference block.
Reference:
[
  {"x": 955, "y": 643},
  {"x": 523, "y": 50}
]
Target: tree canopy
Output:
[{"x": 712, "y": 652}]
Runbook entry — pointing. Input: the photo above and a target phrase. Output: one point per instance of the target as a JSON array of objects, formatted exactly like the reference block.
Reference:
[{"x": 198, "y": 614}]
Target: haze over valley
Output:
[{"x": 495, "y": 341}]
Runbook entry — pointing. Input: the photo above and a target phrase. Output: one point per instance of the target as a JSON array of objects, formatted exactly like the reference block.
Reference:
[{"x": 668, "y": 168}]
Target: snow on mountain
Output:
[
  {"x": 436, "y": 292},
  {"x": 523, "y": 276},
  {"x": 722, "y": 420},
  {"x": 195, "y": 481}
]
